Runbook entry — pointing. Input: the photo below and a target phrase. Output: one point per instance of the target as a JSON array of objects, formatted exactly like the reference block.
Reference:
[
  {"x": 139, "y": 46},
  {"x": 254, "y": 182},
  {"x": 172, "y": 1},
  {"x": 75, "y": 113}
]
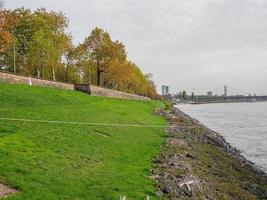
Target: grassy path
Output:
[{"x": 66, "y": 161}]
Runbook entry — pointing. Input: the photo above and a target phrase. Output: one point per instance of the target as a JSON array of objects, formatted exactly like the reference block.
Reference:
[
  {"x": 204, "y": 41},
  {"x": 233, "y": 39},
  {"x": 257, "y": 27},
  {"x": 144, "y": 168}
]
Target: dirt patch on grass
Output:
[{"x": 6, "y": 190}]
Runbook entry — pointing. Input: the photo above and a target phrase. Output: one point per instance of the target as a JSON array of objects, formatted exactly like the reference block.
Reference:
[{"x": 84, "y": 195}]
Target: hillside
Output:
[{"x": 76, "y": 161}]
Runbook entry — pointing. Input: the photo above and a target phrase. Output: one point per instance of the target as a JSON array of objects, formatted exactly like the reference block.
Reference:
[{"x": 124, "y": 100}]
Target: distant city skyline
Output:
[{"x": 186, "y": 44}]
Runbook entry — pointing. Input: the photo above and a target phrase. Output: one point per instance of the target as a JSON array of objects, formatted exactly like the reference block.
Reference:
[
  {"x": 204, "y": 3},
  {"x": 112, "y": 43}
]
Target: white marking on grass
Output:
[
  {"x": 85, "y": 123},
  {"x": 30, "y": 81},
  {"x": 122, "y": 197}
]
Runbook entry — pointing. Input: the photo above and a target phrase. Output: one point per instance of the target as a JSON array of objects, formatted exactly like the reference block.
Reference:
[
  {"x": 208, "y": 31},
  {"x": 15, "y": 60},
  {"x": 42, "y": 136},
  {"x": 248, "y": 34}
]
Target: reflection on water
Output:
[{"x": 243, "y": 125}]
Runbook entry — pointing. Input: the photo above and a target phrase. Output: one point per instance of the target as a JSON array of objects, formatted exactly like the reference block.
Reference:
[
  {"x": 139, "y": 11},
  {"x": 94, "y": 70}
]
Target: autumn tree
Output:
[
  {"x": 7, "y": 41},
  {"x": 135, "y": 83},
  {"x": 42, "y": 48},
  {"x": 69, "y": 72},
  {"x": 109, "y": 67},
  {"x": 151, "y": 87},
  {"x": 116, "y": 70},
  {"x": 38, "y": 38},
  {"x": 97, "y": 46},
  {"x": 77, "y": 67}
]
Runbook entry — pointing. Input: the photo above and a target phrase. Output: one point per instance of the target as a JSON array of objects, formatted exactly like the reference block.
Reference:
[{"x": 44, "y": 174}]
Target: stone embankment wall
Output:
[
  {"x": 99, "y": 91},
  {"x": 13, "y": 78},
  {"x": 90, "y": 89}
]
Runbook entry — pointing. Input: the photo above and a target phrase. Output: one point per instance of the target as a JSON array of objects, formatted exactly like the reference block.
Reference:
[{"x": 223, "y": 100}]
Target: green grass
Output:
[{"x": 64, "y": 161}]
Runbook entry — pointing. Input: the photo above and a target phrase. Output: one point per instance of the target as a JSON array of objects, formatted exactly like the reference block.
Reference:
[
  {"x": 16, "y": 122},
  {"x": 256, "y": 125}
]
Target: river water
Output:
[{"x": 243, "y": 125}]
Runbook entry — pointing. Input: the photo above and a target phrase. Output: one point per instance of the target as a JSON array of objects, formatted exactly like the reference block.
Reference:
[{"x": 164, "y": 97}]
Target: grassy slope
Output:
[{"x": 51, "y": 161}]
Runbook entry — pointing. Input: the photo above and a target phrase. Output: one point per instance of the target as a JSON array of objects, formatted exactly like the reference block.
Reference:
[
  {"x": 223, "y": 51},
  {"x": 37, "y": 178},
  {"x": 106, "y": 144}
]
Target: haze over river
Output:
[{"x": 243, "y": 125}]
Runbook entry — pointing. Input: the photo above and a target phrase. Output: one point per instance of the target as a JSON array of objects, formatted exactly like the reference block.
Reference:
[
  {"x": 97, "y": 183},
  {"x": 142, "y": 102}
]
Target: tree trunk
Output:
[
  {"x": 90, "y": 76},
  {"x": 98, "y": 76},
  {"x": 67, "y": 73},
  {"x": 38, "y": 73},
  {"x": 54, "y": 76},
  {"x": 43, "y": 71}
]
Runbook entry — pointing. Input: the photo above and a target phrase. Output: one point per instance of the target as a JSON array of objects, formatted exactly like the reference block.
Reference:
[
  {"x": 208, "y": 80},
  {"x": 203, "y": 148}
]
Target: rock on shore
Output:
[{"x": 197, "y": 163}]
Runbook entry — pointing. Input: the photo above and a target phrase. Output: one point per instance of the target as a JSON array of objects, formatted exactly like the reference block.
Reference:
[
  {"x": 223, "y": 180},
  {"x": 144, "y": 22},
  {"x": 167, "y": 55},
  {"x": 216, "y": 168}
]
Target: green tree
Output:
[
  {"x": 7, "y": 41},
  {"x": 41, "y": 56},
  {"x": 46, "y": 29},
  {"x": 116, "y": 69},
  {"x": 184, "y": 95},
  {"x": 44, "y": 49},
  {"x": 97, "y": 46}
]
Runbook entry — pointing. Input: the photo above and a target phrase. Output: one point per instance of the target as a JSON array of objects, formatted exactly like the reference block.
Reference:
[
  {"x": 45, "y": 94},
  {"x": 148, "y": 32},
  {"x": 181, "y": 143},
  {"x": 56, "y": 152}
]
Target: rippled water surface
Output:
[{"x": 243, "y": 125}]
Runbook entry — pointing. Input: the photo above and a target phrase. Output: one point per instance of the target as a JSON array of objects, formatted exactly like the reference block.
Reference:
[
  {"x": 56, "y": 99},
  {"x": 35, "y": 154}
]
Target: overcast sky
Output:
[{"x": 186, "y": 44}]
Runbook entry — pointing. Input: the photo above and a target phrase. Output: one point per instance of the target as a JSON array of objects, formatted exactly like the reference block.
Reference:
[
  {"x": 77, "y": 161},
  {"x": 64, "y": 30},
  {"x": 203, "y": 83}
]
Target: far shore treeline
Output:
[{"x": 44, "y": 49}]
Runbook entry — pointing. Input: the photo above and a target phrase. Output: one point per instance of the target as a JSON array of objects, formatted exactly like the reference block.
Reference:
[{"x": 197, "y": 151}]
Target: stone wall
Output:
[
  {"x": 83, "y": 88},
  {"x": 98, "y": 91},
  {"x": 12, "y": 78},
  {"x": 90, "y": 89}
]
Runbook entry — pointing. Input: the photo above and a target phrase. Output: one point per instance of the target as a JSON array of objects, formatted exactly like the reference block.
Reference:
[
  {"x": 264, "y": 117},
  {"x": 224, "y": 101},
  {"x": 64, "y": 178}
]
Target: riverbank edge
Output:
[
  {"x": 221, "y": 142},
  {"x": 164, "y": 165}
]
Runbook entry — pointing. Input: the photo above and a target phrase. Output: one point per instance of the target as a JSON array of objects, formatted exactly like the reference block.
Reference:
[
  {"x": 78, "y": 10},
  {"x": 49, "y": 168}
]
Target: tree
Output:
[
  {"x": 34, "y": 34},
  {"x": 41, "y": 54},
  {"x": 116, "y": 69},
  {"x": 7, "y": 21},
  {"x": 43, "y": 48},
  {"x": 112, "y": 69},
  {"x": 7, "y": 41},
  {"x": 50, "y": 40},
  {"x": 184, "y": 95},
  {"x": 77, "y": 65},
  {"x": 135, "y": 82},
  {"x": 180, "y": 95},
  {"x": 97, "y": 46},
  {"x": 151, "y": 87}
]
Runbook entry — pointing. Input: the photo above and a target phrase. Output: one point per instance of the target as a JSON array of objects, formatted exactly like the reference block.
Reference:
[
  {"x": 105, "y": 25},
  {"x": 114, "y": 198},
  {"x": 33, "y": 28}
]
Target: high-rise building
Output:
[
  {"x": 165, "y": 90},
  {"x": 225, "y": 91},
  {"x": 209, "y": 94}
]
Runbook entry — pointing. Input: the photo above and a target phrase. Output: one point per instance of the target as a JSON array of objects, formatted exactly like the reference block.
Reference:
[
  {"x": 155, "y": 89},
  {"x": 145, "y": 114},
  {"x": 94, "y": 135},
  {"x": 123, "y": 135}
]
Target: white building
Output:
[
  {"x": 165, "y": 90},
  {"x": 225, "y": 91}
]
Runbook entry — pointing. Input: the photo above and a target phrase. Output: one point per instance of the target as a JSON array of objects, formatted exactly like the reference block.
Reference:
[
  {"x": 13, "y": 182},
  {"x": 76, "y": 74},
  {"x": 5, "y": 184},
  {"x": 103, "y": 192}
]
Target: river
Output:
[{"x": 243, "y": 125}]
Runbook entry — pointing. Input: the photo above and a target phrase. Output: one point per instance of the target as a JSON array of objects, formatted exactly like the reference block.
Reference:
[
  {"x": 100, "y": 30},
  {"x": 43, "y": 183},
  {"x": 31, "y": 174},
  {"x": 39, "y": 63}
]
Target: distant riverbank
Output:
[{"x": 196, "y": 162}]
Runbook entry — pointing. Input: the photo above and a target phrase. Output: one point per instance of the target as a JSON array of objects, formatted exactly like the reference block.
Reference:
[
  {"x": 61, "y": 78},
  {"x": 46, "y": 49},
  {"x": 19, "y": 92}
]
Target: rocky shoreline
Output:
[{"x": 197, "y": 163}]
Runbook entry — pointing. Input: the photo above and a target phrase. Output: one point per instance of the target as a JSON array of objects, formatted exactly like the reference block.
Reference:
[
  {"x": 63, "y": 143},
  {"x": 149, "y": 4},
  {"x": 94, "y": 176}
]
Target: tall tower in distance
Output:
[
  {"x": 165, "y": 90},
  {"x": 225, "y": 91}
]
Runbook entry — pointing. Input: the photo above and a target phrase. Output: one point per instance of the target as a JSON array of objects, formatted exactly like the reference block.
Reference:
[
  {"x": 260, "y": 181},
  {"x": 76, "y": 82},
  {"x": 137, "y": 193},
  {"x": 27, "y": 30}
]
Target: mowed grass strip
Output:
[{"x": 68, "y": 161}]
